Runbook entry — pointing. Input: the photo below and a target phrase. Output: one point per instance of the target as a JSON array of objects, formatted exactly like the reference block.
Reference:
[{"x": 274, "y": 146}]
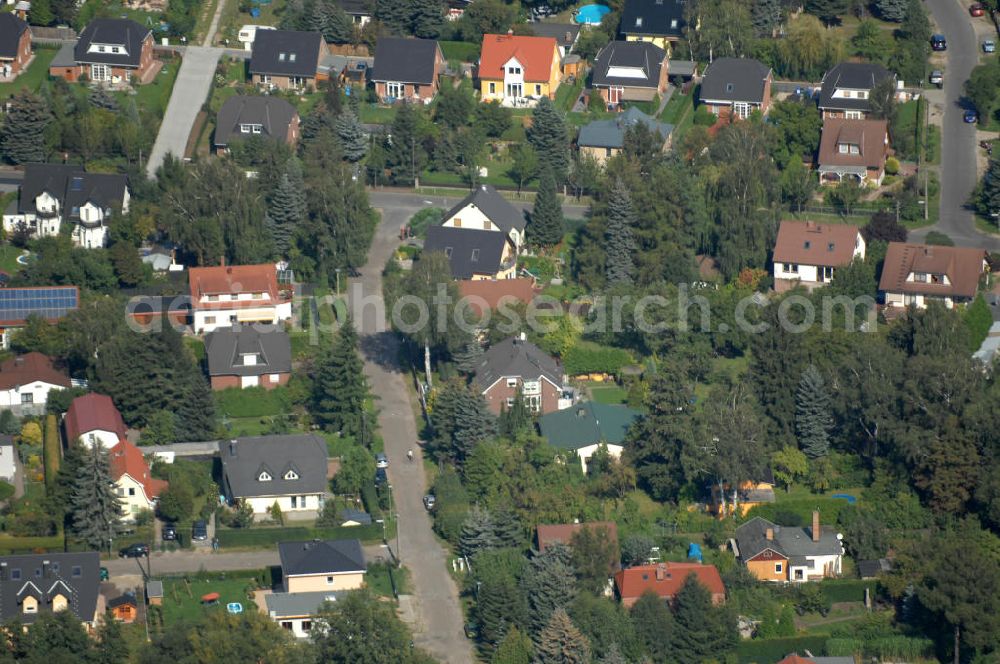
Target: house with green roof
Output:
[{"x": 586, "y": 426}]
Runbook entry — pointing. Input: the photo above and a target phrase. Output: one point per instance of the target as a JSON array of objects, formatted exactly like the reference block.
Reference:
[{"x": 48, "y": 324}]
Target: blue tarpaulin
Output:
[{"x": 694, "y": 551}]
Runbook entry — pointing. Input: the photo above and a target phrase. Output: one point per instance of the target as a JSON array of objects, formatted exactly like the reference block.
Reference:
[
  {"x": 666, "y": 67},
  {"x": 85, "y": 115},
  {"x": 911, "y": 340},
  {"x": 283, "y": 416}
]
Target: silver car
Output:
[
  {"x": 989, "y": 46},
  {"x": 381, "y": 460}
]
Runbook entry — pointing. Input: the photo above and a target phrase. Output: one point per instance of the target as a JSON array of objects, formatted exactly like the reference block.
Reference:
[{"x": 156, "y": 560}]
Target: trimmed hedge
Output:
[
  {"x": 773, "y": 650},
  {"x": 586, "y": 358},
  {"x": 847, "y": 590},
  {"x": 11, "y": 545},
  {"x": 266, "y": 537}
]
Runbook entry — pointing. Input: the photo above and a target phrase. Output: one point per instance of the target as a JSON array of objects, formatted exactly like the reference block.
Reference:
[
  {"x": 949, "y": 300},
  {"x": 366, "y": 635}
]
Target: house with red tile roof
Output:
[
  {"x": 666, "y": 580},
  {"x": 93, "y": 419},
  {"x": 562, "y": 533},
  {"x": 25, "y": 383},
  {"x": 137, "y": 489},
  {"x": 915, "y": 274},
  {"x": 808, "y": 253},
  {"x": 517, "y": 71},
  {"x": 482, "y": 294},
  {"x": 853, "y": 149},
  {"x": 226, "y": 294}
]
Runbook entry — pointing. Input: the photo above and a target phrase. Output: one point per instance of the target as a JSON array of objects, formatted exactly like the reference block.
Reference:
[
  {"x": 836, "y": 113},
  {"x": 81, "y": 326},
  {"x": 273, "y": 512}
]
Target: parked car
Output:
[
  {"x": 471, "y": 630},
  {"x": 137, "y": 550},
  {"x": 169, "y": 532},
  {"x": 970, "y": 117},
  {"x": 105, "y": 575},
  {"x": 939, "y": 43},
  {"x": 989, "y": 46},
  {"x": 936, "y": 78},
  {"x": 977, "y": 9},
  {"x": 199, "y": 531},
  {"x": 380, "y": 477},
  {"x": 429, "y": 502},
  {"x": 381, "y": 460}
]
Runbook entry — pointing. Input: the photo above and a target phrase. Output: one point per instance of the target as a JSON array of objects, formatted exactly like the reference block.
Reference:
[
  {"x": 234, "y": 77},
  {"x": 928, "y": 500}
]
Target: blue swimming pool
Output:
[{"x": 591, "y": 14}]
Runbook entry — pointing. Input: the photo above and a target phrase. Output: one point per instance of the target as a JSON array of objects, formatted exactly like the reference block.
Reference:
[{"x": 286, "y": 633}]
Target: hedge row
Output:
[
  {"x": 260, "y": 537},
  {"x": 847, "y": 590},
  {"x": 773, "y": 650},
  {"x": 585, "y": 358}
]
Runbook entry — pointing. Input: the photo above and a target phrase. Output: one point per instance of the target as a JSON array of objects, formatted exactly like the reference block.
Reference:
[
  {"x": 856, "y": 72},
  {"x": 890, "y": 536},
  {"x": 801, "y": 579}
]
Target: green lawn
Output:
[
  {"x": 153, "y": 97},
  {"x": 232, "y": 19},
  {"x": 678, "y": 106},
  {"x": 378, "y": 581},
  {"x": 37, "y": 72},
  {"x": 610, "y": 394},
  {"x": 456, "y": 50},
  {"x": 375, "y": 114},
  {"x": 182, "y": 599},
  {"x": 566, "y": 95}
]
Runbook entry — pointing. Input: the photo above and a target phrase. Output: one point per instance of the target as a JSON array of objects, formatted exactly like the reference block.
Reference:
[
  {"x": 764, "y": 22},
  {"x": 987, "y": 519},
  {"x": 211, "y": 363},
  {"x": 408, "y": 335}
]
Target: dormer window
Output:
[
  {"x": 920, "y": 277},
  {"x": 673, "y": 23},
  {"x": 264, "y": 476},
  {"x": 244, "y": 129},
  {"x": 475, "y": 255},
  {"x": 729, "y": 87},
  {"x": 638, "y": 21},
  {"x": 101, "y": 49},
  {"x": 847, "y": 94},
  {"x": 115, "y": 49},
  {"x": 291, "y": 475},
  {"x": 291, "y": 57}
]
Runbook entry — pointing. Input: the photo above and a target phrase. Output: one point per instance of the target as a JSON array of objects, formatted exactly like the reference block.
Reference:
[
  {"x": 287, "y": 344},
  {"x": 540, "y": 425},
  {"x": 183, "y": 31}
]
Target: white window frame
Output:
[
  {"x": 395, "y": 89},
  {"x": 264, "y": 477},
  {"x": 742, "y": 109}
]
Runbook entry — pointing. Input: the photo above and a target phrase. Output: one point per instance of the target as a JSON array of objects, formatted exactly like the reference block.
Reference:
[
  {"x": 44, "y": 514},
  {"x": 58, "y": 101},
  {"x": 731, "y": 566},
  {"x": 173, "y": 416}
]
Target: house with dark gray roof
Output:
[
  {"x": 472, "y": 253},
  {"x": 248, "y": 356},
  {"x": 629, "y": 71},
  {"x": 485, "y": 209},
  {"x": 846, "y": 89},
  {"x": 286, "y": 59},
  {"x": 789, "y": 553},
  {"x": 111, "y": 51},
  {"x": 360, "y": 11},
  {"x": 296, "y": 611},
  {"x": 242, "y": 117},
  {"x": 53, "y": 193},
  {"x": 660, "y": 22},
  {"x": 565, "y": 34},
  {"x": 15, "y": 46},
  {"x": 287, "y": 470},
  {"x": 31, "y": 585},
  {"x": 517, "y": 366},
  {"x": 603, "y": 139},
  {"x": 736, "y": 87},
  {"x": 407, "y": 69}
]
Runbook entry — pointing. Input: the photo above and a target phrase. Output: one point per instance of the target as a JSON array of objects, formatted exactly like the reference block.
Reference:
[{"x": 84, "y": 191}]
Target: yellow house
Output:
[
  {"x": 518, "y": 71},
  {"x": 659, "y": 22},
  {"x": 751, "y": 493},
  {"x": 318, "y": 566}
]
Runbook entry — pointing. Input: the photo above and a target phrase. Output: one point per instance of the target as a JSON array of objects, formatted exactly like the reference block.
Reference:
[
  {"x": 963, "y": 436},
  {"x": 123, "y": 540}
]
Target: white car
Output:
[{"x": 381, "y": 460}]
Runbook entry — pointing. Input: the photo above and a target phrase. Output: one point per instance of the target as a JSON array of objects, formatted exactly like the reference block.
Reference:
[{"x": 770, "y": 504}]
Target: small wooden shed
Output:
[{"x": 154, "y": 593}]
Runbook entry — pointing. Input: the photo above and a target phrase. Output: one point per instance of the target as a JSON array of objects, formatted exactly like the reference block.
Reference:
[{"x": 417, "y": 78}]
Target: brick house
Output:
[
  {"x": 736, "y": 87},
  {"x": 109, "y": 50},
  {"x": 15, "y": 46},
  {"x": 243, "y": 117},
  {"x": 789, "y": 553},
  {"x": 407, "y": 69},
  {"x": 248, "y": 356},
  {"x": 286, "y": 59},
  {"x": 516, "y": 364}
]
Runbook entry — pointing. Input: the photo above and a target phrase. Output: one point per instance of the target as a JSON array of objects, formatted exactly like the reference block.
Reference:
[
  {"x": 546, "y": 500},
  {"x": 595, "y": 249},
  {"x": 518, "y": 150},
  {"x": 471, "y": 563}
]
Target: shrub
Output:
[
  {"x": 419, "y": 222},
  {"x": 6, "y": 490},
  {"x": 704, "y": 117},
  {"x": 940, "y": 239},
  {"x": 585, "y": 358},
  {"x": 892, "y": 166},
  {"x": 268, "y": 537}
]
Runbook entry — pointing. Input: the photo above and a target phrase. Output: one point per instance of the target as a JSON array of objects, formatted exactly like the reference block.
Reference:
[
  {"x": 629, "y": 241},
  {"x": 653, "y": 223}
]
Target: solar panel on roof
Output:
[{"x": 17, "y": 304}]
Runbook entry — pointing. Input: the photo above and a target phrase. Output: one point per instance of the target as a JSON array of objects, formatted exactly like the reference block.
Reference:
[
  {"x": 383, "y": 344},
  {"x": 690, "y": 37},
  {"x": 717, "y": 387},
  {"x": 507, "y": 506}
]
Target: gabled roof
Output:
[
  {"x": 321, "y": 557},
  {"x": 496, "y": 208},
  {"x": 404, "y": 60},
  {"x": 516, "y": 358},
  {"x": 126, "y": 459},
  {"x": 963, "y": 265},
  {"x": 811, "y": 243},
  {"x": 273, "y": 114},
  {"x": 587, "y": 423},
  {"x": 536, "y": 55},
  {"x": 72, "y": 187},
  {"x": 661, "y": 18},
  {"x": 562, "y": 533},
  {"x": 565, "y": 34},
  {"x": 242, "y": 458},
  {"x": 286, "y": 53},
  {"x": 492, "y": 292},
  {"x": 28, "y": 368},
  {"x": 643, "y": 59},
  {"x": 93, "y": 412},
  {"x": 112, "y": 31},
  {"x": 49, "y": 574},
  {"x": 869, "y": 135},
  {"x": 851, "y": 76},
  {"x": 296, "y": 605},
  {"x": 11, "y": 29},
  {"x": 127, "y": 599},
  {"x": 225, "y": 348},
  {"x": 735, "y": 79},
  {"x": 470, "y": 251},
  {"x": 666, "y": 579},
  {"x": 221, "y": 279},
  {"x": 611, "y": 133},
  {"x": 788, "y": 541}
]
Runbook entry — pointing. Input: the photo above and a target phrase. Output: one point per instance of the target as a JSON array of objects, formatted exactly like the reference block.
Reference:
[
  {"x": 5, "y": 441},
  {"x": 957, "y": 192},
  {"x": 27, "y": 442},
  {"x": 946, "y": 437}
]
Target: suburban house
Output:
[
  {"x": 808, "y": 253},
  {"x": 915, "y": 274},
  {"x": 19, "y": 304},
  {"x": 113, "y": 51},
  {"x": 37, "y": 583},
  {"x": 565, "y": 35},
  {"x": 603, "y": 139},
  {"x": 629, "y": 71},
  {"x": 786, "y": 553},
  {"x": 8, "y": 462},
  {"x": 846, "y": 88},
  {"x": 517, "y": 364},
  {"x": 92, "y": 419},
  {"x": 407, "y": 69},
  {"x": 136, "y": 488},
  {"x": 295, "y": 612},
  {"x": 124, "y": 608},
  {"x": 287, "y": 470},
  {"x": 248, "y": 356},
  {"x": 485, "y": 209},
  {"x": 584, "y": 427},
  {"x": 517, "y": 70},
  {"x": 749, "y": 494},
  {"x": 666, "y": 580},
  {"x": 286, "y": 59},
  {"x": 736, "y": 87},
  {"x": 853, "y": 148},
  {"x": 15, "y": 46},
  {"x": 480, "y": 295},
  {"x": 243, "y": 117},
  {"x": 226, "y": 294},
  {"x": 360, "y": 11},
  {"x": 562, "y": 533},
  {"x": 25, "y": 383},
  {"x": 53, "y": 193},
  {"x": 659, "y": 22}
]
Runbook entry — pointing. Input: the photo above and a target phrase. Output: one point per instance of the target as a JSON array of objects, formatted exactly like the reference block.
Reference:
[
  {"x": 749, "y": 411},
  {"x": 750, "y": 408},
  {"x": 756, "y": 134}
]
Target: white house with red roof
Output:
[
  {"x": 137, "y": 489},
  {"x": 227, "y": 294},
  {"x": 92, "y": 419},
  {"x": 808, "y": 253},
  {"x": 25, "y": 383}
]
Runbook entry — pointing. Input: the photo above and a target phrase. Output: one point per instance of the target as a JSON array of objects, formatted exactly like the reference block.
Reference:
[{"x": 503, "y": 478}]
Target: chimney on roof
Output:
[
  {"x": 769, "y": 534},
  {"x": 661, "y": 572},
  {"x": 46, "y": 570},
  {"x": 232, "y": 447},
  {"x": 815, "y": 529},
  {"x": 510, "y": 32}
]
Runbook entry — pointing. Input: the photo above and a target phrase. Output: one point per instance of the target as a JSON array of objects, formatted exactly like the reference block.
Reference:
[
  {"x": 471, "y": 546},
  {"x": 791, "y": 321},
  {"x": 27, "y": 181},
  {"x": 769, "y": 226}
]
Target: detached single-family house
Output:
[
  {"x": 749, "y": 494},
  {"x": 666, "y": 580},
  {"x": 584, "y": 427},
  {"x": 92, "y": 419},
  {"x": 248, "y": 356},
  {"x": 25, "y": 383},
  {"x": 15, "y": 46},
  {"x": 847, "y": 87},
  {"x": 480, "y": 295},
  {"x": 736, "y": 87},
  {"x": 19, "y": 304},
  {"x": 915, "y": 274},
  {"x": 137, "y": 489},
  {"x": 603, "y": 139},
  {"x": 808, "y": 253},
  {"x": 786, "y": 553},
  {"x": 296, "y": 612},
  {"x": 517, "y": 70},
  {"x": 485, "y": 209},
  {"x": 853, "y": 149},
  {"x": 8, "y": 464},
  {"x": 629, "y": 71},
  {"x": 516, "y": 364},
  {"x": 51, "y": 194},
  {"x": 286, "y": 59},
  {"x": 289, "y": 470},
  {"x": 38, "y": 583},
  {"x": 111, "y": 51},
  {"x": 243, "y": 117},
  {"x": 659, "y": 22},
  {"x": 473, "y": 254},
  {"x": 360, "y": 11},
  {"x": 226, "y": 294},
  {"x": 562, "y": 533},
  {"x": 565, "y": 34},
  {"x": 407, "y": 69}
]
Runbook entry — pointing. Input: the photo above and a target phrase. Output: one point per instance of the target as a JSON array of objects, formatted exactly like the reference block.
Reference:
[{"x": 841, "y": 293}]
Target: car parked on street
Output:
[
  {"x": 989, "y": 46},
  {"x": 429, "y": 502},
  {"x": 380, "y": 477},
  {"x": 936, "y": 78},
  {"x": 970, "y": 117},
  {"x": 939, "y": 43},
  {"x": 169, "y": 532},
  {"x": 199, "y": 531},
  {"x": 977, "y": 9},
  {"x": 381, "y": 460},
  {"x": 137, "y": 550}
]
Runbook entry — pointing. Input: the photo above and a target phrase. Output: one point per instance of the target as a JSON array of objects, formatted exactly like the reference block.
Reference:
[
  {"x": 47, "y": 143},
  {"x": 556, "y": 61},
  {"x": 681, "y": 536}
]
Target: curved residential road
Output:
[{"x": 958, "y": 140}]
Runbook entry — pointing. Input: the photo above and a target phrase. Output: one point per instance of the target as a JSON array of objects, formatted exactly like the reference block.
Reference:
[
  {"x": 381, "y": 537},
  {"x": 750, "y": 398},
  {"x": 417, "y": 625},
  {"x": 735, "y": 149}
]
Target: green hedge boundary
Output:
[
  {"x": 260, "y": 537},
  {"x": 766, "y": 651}
]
